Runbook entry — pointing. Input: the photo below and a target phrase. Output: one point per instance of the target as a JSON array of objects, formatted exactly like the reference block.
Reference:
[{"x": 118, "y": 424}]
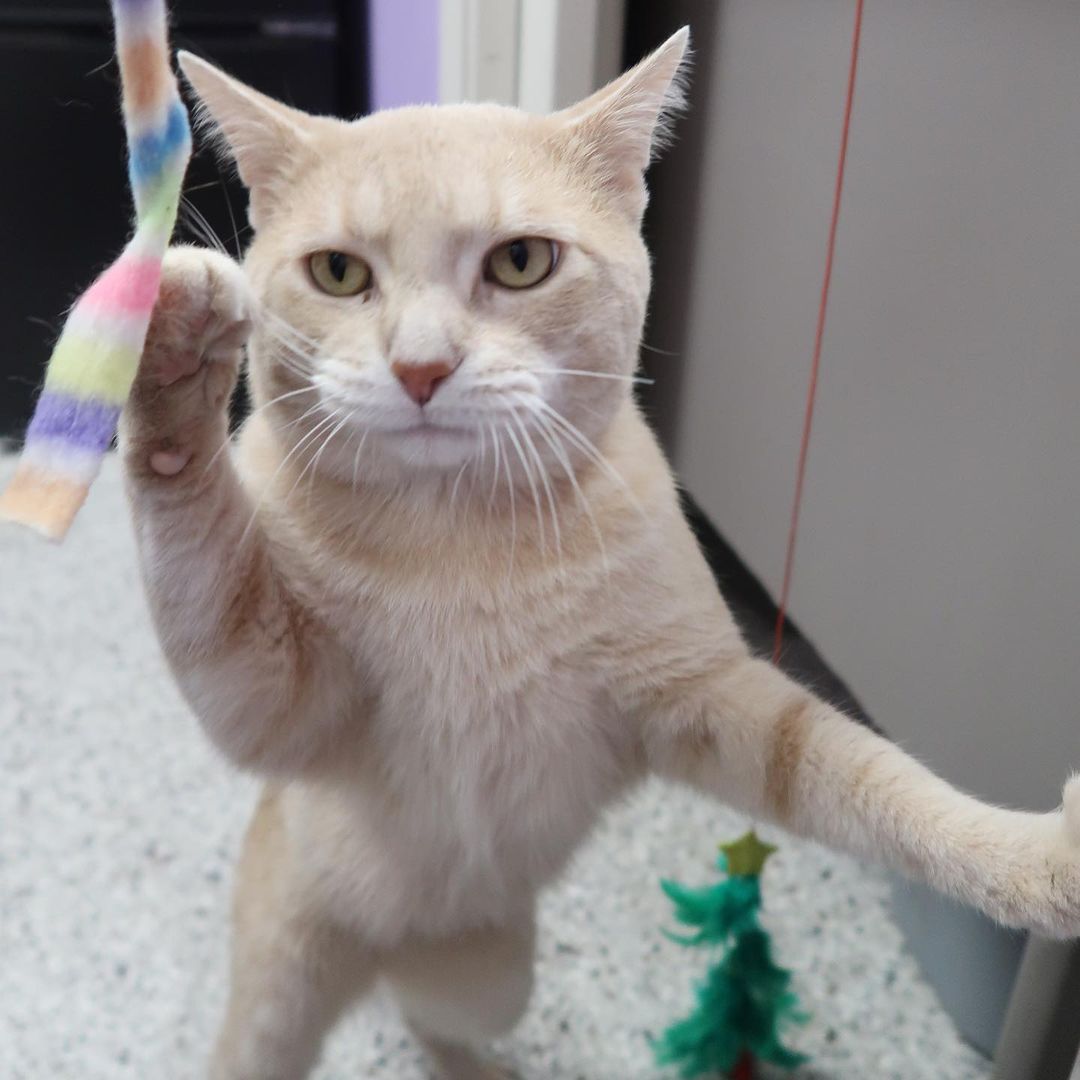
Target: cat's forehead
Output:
[
  {"x": 415, "y": 141},
  {"x": 456, "y": 167}
]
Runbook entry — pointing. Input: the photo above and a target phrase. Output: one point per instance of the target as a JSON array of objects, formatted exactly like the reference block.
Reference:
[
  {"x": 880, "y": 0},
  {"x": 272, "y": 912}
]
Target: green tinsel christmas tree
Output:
[{"x": 746, "y": 998}]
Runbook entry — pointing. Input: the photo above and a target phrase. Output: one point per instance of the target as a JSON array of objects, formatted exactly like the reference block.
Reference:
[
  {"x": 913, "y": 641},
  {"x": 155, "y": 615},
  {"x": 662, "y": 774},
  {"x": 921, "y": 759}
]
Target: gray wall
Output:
[{"x": 939, "y": 562}]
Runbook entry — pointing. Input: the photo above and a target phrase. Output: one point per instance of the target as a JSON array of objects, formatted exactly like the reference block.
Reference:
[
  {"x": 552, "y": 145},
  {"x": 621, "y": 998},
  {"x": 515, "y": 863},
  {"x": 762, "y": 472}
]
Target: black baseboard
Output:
[{"x": 755, "y": 612}]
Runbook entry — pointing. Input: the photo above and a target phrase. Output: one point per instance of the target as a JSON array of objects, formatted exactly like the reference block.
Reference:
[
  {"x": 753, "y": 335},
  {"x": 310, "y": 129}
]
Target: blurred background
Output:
[{"x": 937, "y": 576}]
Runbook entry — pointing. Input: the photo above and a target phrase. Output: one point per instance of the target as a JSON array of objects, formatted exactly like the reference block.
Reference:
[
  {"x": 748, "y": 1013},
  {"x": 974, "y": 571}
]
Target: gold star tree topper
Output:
[{"x": 746, "y": 856}]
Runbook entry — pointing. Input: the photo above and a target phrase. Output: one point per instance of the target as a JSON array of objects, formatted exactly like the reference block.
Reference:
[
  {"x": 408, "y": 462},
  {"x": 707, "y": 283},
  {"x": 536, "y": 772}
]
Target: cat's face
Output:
[{"x": 443, "y": 286}]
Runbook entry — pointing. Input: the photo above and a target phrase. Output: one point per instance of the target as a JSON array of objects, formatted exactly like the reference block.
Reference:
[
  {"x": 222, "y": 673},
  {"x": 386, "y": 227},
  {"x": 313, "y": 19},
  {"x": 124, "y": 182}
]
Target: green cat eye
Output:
[
  {"x": 521, "y": 263},
  {"x": 338, "y": 273}
]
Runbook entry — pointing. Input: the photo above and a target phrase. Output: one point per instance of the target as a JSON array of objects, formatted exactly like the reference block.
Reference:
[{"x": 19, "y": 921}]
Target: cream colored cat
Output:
[{"x": 444, "y": 598}]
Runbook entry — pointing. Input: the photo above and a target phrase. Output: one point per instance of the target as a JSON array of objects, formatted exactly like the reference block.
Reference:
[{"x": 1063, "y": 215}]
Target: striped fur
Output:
[{"x": 93, "y": 366}]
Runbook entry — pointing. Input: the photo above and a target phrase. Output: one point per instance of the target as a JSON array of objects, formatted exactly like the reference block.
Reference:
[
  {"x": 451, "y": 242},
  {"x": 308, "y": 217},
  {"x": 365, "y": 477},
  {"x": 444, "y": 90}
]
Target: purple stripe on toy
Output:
[{"x": 86, "y": 424}]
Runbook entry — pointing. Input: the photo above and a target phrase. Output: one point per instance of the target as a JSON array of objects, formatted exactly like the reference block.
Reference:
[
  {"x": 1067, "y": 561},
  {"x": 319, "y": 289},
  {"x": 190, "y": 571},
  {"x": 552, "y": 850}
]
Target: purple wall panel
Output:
[{"x": 404, "y": 42}]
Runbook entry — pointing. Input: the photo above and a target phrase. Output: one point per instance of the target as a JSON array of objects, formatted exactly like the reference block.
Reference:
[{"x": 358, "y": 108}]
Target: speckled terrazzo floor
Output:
[{"x": 118, "y": 826}]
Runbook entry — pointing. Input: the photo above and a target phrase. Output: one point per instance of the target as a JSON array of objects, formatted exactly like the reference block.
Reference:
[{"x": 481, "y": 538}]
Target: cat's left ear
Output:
[
  {"x": 623, "y": 125},
  {"x": 260, "y": 134}
]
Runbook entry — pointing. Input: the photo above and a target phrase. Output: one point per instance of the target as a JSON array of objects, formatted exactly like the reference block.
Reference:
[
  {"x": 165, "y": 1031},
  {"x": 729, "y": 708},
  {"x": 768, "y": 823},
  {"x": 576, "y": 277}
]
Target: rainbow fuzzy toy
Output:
[{"x": 94, "y": 363}]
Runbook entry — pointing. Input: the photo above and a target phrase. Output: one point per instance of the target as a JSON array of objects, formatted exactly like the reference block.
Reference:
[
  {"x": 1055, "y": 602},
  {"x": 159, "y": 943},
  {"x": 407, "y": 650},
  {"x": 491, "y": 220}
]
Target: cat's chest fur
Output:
[{"x": 484, "y": 748}]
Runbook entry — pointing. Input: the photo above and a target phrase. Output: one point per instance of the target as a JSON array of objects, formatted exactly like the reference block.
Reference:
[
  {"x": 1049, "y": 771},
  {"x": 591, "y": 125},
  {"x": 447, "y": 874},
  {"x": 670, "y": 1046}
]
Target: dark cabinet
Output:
[{"x": 64, "y": 206}]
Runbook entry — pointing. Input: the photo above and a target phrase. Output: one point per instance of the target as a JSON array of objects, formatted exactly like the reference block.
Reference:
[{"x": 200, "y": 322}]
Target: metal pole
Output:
[{"x": 1040, "y": 1038}]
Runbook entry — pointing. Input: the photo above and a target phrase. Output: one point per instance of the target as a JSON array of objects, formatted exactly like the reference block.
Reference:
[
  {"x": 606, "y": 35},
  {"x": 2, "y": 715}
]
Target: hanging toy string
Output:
[
  {"x": 94, "y": 362},
  {"x": 815, "y": 365}
]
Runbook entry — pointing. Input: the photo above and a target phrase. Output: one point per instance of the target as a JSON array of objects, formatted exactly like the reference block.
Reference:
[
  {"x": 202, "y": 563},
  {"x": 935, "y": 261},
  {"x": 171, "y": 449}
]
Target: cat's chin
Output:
[{"x": 431, "y": 447}]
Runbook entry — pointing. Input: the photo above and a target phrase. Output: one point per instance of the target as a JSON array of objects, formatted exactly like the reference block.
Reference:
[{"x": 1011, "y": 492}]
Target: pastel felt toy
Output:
[{"x": 96, "y": 357}]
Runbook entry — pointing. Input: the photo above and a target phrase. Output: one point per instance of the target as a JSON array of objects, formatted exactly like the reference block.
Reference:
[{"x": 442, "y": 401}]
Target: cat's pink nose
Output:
[{"x": 422, "y": 380}]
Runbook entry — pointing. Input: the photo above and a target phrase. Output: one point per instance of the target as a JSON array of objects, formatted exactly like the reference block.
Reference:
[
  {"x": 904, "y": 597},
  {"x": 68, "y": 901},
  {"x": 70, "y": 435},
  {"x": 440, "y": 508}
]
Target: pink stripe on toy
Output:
[{"x": 128, "y": 287}]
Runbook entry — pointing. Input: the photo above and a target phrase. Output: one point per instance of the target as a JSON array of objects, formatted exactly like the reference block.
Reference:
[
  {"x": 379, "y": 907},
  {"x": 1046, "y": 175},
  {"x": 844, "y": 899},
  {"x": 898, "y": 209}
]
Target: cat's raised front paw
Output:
[
  {"x": 202, "y": 316},
  {"x": 190, "y": 361}
]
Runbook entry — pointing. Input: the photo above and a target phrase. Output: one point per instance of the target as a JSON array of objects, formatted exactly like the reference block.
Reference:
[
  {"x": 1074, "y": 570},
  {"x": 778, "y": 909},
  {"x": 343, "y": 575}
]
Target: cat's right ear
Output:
[
  {"x": 260, "y": 134},
  {"x": 620, "y": 128}
]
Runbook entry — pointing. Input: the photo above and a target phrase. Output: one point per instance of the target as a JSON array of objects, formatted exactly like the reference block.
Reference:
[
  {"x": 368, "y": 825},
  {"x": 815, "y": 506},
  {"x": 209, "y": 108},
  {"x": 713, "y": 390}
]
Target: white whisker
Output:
[
  {"x": 542, "y": 470},
  {"x": 457, "y": 481},
  {"x": 547, "y": 430},
  {"x": 300, "y": 352},
  {"x": 277, "y": 472},
  {"x": 659, "y": 352},
  {"x": 187, "y": 187},
  {"x": 283, "y": 397},
  {"x": 310, "y": 436},
  {"x": 320, "y": 428},
  {"x": 288, "y": 328},
  {"x": 314, "y": 463},
  {"x": 513, "y": 504},
  {"x": 232, "y": 221},
  {"x": 303, "y": 416},
  {"x": 601, "y": 375},
  {"x": 273, "y": 401},
  {"x": 356, "y": 458},
  {"x": 205, "y": 231},
  {"x": 481, "y": 461},
  {"x": 291, "y": 355},
  {"x": 497, "y": 444},
  {"x": 293, "y": 352},
  {"x": 280, "y": 332},
  {"x": 516, "y": 443},
  {"x": 582, "y": 441}
]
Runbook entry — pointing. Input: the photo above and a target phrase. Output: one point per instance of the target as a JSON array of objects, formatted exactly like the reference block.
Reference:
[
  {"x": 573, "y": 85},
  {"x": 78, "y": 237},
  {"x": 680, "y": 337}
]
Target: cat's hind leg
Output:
[
  {"x": 293, "y": 972},
  {"x": 458, "y": 993}
]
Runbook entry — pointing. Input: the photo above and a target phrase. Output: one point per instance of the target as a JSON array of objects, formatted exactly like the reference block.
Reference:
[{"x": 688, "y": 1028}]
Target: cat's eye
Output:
[
  {"x": 339, "y": 274},
  {"x": 522, "y": 263}
]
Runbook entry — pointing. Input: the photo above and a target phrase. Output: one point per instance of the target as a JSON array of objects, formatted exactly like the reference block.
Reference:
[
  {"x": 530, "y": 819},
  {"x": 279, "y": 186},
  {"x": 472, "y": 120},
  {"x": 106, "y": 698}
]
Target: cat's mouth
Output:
[
  {"x": 427, "y": 429},
  {"x": 430, "y": 443}
]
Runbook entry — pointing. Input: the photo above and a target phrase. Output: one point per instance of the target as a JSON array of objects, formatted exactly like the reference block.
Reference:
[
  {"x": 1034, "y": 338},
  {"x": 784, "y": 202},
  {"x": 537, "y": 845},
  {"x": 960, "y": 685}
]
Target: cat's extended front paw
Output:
[
  {"x": 1046, "y": 894},
  {"x": 190, "y": 361}
]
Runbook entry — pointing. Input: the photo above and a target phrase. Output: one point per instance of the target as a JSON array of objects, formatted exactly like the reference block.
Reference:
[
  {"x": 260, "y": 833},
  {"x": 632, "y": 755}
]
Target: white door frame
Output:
[{"x": 538, "y": 54}]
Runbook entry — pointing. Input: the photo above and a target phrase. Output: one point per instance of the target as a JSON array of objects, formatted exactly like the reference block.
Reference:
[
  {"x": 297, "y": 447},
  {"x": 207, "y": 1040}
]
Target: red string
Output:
[{"x": 815, "y": 366}]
